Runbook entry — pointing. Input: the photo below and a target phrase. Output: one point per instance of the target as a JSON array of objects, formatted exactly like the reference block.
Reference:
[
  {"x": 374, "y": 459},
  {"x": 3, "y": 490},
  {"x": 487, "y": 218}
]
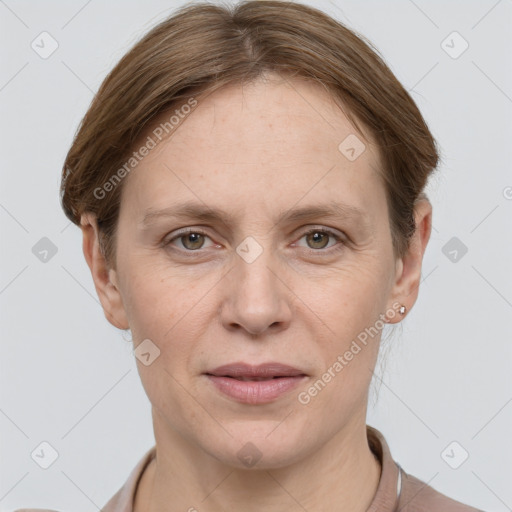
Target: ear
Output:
[
  {"x": 408, "y": 268},
  {"x": 105, "y": 279}
]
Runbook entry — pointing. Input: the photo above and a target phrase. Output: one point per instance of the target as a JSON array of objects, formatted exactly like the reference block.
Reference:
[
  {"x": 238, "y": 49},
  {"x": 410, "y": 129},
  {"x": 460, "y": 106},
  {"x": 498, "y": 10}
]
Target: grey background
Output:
[{"x": 68, "y": 377}]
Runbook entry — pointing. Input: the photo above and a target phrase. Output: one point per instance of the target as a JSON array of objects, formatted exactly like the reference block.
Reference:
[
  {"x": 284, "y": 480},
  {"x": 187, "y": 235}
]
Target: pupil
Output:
[
  {"x": 317, "y": 236},
  {"x": 193, "y": 238}
]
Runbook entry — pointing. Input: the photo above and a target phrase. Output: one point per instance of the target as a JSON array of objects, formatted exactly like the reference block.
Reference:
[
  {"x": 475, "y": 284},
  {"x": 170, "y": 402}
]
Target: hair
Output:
[{"x": 203, "y": 47}]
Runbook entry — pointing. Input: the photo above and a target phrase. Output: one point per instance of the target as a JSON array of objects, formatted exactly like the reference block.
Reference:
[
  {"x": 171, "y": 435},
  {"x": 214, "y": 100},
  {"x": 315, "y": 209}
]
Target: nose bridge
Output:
[{"x": 255, "y": 298}]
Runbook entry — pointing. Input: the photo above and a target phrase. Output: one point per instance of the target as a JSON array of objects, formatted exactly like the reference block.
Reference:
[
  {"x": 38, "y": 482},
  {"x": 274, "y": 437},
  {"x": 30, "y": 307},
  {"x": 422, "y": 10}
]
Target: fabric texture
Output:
[{"x": 397, "y": 491}]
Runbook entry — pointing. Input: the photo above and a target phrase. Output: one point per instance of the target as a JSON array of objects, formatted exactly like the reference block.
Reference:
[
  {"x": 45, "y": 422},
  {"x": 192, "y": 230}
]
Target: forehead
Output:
[{"x": 273, "y": 141}]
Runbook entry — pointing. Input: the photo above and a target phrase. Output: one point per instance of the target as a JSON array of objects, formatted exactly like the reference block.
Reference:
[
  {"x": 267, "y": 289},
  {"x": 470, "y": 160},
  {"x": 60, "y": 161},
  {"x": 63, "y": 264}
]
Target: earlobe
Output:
[
  {"x": 105, "y": 279},
  {"x": 408, "y": 275}
]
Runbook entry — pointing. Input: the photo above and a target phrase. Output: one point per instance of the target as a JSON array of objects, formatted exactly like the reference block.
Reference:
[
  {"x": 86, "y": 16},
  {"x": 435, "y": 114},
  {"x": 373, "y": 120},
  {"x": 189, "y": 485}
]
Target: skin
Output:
[{"x": 255, "y": 151}]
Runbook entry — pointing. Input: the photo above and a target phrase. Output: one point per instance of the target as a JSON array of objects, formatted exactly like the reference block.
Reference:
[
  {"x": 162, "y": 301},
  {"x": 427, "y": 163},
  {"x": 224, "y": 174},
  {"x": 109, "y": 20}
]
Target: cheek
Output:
[
  {"x": 165, "y": 309},
  {"x": 346, "y": 308},
  {"x": 157, "y": 311},
  {"x": 349, "y": 298},
  {"x": 348, "y": 351},
  {"x": 157, "y": 298}
]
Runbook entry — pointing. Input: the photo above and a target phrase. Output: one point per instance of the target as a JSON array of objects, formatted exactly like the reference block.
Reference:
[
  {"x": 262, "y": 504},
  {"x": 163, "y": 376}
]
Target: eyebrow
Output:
[{"x": 191, "y": 210}]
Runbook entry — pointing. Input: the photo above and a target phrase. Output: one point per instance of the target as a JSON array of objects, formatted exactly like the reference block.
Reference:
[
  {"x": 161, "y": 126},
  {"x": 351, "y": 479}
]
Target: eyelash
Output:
[{"x": 191, "y": 253}]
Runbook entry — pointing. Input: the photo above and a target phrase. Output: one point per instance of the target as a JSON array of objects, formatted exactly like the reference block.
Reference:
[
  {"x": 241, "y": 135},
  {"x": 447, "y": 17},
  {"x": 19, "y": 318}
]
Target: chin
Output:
[{"x": 258, "y": 447}]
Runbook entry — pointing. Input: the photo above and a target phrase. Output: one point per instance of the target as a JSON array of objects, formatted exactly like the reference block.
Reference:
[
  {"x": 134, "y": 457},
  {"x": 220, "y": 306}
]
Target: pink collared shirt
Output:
[{"x": 397, "y": 491}]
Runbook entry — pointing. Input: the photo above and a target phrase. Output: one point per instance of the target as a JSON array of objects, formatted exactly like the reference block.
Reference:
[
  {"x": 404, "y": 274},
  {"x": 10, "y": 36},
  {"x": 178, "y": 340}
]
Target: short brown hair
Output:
[{"x": 203, "y": 47}]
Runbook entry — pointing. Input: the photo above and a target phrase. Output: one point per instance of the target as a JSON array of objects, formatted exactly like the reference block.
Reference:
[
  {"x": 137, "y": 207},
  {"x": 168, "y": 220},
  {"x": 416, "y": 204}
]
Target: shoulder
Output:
[{"x": 417, "y": 496}]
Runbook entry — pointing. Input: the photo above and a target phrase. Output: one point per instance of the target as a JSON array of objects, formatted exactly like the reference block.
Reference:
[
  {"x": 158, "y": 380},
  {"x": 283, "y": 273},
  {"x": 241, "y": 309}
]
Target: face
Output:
[{"x": 257, "y": 282}]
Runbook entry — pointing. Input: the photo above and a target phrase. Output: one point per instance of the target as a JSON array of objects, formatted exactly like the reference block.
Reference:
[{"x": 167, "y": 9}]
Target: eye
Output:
[
  {"x": 191, "y": 240},
  {"x": 318, "y": 238}
]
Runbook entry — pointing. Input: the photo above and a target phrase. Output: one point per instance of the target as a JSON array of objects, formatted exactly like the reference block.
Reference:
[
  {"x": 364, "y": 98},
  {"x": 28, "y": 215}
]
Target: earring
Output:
[
  {"x": 402, "y": 309},
  {"x": 124, "y": 334}
]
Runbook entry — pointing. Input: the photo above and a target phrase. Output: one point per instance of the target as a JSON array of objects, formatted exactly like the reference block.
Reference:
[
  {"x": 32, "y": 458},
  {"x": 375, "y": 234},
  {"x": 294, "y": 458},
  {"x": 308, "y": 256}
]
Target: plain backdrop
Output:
[{"x": 69, "y": 379}]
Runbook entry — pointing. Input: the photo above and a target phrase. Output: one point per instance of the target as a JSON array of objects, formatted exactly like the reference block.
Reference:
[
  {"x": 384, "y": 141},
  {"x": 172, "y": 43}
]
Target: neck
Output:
[{"x": 343, "y": 474}]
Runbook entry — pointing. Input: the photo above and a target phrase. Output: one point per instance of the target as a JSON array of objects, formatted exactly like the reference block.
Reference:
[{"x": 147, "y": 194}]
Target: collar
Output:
[{"x": 390, "y": 483}]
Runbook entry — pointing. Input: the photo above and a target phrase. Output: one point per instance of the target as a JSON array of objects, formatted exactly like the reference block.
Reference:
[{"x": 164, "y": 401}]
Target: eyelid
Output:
[
  {"x": 167, "y": 241},
  {"x": 328, "y": 231},
  {"x": 339, "y": 236}
]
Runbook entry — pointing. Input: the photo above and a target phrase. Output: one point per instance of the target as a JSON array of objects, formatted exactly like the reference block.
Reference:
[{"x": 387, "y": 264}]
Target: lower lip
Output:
[{"x": 255, "y": 392}]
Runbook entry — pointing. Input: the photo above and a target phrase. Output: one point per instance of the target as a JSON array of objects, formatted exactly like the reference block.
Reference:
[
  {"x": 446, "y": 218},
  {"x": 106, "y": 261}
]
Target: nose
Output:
[{"x": 255, "y": 297}]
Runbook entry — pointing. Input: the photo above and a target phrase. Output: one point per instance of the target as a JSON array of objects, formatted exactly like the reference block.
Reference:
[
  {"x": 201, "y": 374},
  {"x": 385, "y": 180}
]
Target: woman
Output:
[{"x": 250, "y": 188}]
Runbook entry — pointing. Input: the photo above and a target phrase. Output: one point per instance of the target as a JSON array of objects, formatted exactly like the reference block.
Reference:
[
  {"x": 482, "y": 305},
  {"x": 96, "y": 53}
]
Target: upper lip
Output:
[{"x": 240, "y": 369}]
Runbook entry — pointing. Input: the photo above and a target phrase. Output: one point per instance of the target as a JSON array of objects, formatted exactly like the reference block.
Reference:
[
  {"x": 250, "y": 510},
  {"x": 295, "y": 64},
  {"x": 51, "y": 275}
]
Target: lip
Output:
[
  {"x": 265, "y": 370},
  {"x": 275, "y": 379}
]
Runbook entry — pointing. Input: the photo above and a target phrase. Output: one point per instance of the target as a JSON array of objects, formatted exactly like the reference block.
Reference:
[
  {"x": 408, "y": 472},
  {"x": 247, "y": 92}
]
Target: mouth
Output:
[
  {"x": 246, "y": 372},
  {"x": 255, "y": 384},
  {"x": 249, "y": 379}
]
